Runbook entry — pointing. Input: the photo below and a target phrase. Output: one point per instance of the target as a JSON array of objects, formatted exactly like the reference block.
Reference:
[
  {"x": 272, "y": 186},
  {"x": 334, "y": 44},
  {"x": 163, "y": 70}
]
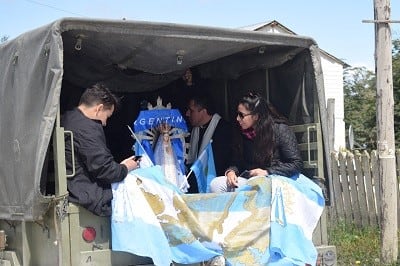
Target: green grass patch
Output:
[{"x": 356, "y": 246}]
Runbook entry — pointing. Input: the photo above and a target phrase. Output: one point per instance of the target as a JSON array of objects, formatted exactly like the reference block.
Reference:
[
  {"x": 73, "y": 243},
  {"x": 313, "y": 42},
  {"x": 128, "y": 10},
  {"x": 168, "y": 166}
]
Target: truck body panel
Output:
[{"x": 44, "y": 72}]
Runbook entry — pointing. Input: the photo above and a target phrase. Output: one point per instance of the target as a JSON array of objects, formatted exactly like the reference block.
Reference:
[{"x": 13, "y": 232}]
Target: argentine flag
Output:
[
  {"x": 204, "y": 169},
  {"x": 146, "y": 222},
  {"x": 142, "y": 149},
  {"x": 269, "y": 221},
  {"x": 296, "y": 207}
]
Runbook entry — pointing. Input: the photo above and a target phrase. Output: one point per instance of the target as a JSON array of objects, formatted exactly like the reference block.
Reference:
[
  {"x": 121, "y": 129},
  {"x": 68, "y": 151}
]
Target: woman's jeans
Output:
[{"x": 218, "y": 184}]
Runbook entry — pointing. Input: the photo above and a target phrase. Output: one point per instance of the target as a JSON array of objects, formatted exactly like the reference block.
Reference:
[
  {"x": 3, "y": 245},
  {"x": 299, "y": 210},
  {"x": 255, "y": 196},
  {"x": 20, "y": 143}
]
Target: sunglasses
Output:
[{"x": 242, "y": 115}]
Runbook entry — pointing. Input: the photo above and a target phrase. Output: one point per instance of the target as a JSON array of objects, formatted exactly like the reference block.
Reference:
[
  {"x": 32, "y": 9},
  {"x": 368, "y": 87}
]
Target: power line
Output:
[{"x": 55, "y": 8}]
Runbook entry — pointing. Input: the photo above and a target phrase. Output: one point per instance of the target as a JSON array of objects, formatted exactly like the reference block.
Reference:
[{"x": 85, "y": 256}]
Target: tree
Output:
[
  {"x": 360, "y": 101},
  {"x": 360, "y": 106},
  {"x": 396, "y": 89},
  {"x": 3, "y": 39}
]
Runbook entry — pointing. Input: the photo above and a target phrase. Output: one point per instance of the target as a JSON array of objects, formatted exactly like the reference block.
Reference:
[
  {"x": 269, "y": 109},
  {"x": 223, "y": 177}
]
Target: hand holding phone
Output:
[
  {"x": 137, "y": 158},
  {"x": 131, "y": 163},
  {"x": 245, "y": 174}
]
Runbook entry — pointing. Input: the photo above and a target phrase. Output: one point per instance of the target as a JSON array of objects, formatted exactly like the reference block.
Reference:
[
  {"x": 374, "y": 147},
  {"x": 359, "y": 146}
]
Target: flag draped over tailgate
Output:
[{"x": 153, "y": 218}]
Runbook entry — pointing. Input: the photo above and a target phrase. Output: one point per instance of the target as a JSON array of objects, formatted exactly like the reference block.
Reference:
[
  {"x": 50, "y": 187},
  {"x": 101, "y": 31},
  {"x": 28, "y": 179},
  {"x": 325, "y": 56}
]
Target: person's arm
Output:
[
  {"x": 222, "y": 147},
  {"x": 237, "y": 158},
  {"x": 290, "y": 162},
  {"x": 98, "y": 159}
]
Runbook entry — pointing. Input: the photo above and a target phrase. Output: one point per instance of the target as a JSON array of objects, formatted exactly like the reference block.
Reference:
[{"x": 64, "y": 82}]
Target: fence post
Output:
[
  {"x": 337, "y": 210},
  {"x": 348, "y": 213},
  {"x": 362, "y": 197},
  {"x": 355, "y": 206}
]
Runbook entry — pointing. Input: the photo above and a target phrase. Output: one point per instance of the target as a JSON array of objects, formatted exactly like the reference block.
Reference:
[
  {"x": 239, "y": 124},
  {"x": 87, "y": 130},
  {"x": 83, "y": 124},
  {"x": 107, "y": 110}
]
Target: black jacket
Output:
[
  {"x": 286, "y": 159},
  {"x": 95, "y": 168}
]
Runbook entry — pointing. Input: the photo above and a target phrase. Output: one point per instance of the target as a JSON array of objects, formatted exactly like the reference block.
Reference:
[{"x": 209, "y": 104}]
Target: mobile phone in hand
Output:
[
  {"x": 245, "y": 174},
  {"x": 137, "y": 158}
]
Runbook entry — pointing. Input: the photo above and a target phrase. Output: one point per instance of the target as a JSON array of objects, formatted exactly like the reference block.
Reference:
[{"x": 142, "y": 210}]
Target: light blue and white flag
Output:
[
  {"x": 148, "y": 220},
  {"x": 144, "y": 150},
  {"x": 204, "y": 169},
  {"x": 296, "y": 207},
  {"x": 267, "y": 222}
]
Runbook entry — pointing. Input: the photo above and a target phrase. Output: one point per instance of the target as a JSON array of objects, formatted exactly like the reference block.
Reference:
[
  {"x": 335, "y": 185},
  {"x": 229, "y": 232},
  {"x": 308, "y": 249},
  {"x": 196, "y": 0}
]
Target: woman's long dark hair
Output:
[{"x": 267, "y": 116}]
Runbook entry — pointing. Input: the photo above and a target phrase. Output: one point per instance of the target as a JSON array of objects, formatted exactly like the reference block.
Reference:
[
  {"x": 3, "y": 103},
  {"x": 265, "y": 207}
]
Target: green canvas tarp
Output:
[{"x": 129, "y": 56}]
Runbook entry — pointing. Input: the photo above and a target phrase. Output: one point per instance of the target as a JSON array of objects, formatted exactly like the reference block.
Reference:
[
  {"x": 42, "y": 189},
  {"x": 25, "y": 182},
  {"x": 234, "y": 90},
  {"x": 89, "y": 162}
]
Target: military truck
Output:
[{"x": 43, "y": 73}]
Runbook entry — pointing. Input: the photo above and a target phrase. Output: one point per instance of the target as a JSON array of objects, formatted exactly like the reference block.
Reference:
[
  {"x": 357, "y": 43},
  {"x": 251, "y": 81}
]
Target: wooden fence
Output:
[{"x": 355, "y": 186}]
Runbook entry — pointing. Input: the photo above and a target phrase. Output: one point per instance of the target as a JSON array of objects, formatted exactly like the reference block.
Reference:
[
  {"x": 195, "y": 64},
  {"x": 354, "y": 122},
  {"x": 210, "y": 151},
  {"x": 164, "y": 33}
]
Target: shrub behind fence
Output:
[{"x": 355, "y": 186}]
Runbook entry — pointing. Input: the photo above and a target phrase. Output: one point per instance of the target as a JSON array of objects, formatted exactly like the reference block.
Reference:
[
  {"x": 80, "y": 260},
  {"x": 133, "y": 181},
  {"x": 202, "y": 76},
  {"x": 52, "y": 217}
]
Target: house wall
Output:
[{"x": 333, "y": 83}]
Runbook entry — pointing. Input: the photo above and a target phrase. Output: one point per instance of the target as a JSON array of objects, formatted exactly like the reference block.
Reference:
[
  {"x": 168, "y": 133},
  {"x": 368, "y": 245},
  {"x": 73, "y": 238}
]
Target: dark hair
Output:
[
  {"x": 267, "y": 116},
  {"x": 203, "y": 101},
  {"x": 99, "y": 94}
]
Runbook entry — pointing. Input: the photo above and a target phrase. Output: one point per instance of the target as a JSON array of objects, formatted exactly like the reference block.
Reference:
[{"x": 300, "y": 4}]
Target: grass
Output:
[{"x": 356, "y": 246}]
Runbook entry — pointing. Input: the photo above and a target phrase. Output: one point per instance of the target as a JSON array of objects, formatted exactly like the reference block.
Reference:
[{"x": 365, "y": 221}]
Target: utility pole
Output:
[{"x": 385, "y": 126}]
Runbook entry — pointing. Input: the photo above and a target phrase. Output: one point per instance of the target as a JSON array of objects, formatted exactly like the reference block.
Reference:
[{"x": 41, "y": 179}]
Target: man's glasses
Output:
[{"x": 242, "y": 115}]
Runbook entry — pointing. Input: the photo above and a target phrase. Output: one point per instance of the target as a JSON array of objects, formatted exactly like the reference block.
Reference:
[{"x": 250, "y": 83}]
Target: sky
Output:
[{"x": 336, "y": 25}]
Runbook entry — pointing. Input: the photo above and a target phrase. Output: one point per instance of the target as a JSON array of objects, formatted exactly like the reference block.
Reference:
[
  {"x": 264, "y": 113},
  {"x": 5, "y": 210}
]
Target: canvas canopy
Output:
[{"x": 129, "y": 56}]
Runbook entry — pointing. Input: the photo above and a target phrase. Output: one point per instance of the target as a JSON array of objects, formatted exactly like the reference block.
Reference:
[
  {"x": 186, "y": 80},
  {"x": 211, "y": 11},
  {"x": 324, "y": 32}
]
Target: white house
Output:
[{"x": 332, "y": 68}]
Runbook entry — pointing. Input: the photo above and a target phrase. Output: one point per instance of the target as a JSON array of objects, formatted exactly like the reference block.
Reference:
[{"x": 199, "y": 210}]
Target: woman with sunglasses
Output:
[{"x": 265, "y": 146}]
